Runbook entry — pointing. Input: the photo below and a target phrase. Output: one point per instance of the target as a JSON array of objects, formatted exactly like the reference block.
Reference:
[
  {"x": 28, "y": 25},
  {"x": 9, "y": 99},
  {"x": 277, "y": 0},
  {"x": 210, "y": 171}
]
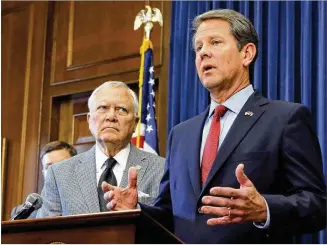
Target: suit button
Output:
[{"x": 267, "y": 235}]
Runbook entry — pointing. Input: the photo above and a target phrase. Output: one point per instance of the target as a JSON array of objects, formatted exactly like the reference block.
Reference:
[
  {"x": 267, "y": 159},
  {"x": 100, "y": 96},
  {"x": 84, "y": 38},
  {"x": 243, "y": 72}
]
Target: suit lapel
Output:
[
  {"x": 86, "y": 177},
  {"x": 136, "y": 158},
  {"x": 242, "y": 124},
  {"x": 194, "y": 153}
]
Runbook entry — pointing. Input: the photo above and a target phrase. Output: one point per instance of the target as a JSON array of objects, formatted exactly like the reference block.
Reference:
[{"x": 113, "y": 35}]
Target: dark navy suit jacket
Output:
[{"x": 282, "y": 158}]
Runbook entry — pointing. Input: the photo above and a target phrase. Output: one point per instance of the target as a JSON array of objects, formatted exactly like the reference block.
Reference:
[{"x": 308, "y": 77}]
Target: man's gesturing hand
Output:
[
  {"x": 122, "y": 198},
  {"x": 235, "y": 205}
]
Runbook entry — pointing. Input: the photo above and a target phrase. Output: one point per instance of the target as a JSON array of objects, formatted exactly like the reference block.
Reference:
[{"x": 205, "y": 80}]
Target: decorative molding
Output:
[
  {"x": 65, "y": 68},
  {"x": 95, "y": 77},
  {"x": 83, "y": 139},
  {"x": 3, "y": 173},
  {"x": 26, "y": 100},
  {"x": 101, "y": 62},
  {"x": 54, "y": 44},
  {"x": 11, "y": 10},
  {"x": 70, "y": 33}
]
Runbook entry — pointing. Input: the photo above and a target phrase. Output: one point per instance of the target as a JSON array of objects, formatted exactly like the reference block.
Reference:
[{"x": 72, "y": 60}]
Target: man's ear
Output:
[
  {"x": 248, "y": 51},
  {"x": 136, "y": 122},
  {"x": 88, "y": 117}
]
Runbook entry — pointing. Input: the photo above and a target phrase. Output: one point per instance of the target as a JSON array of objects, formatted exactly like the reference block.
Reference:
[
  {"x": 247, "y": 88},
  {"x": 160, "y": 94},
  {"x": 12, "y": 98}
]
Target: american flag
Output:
[{"x": 148, "y": 139}]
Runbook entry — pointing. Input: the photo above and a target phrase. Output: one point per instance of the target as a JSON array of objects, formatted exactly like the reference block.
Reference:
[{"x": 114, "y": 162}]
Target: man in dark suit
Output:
[
  {"x": 246, "y": 170},
  {"x": 51, "y": 153}
]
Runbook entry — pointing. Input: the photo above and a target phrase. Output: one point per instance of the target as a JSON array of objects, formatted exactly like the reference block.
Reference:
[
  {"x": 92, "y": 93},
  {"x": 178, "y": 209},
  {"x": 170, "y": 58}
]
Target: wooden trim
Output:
[
  {"x": 3, "y": 173},
  {"x": 93, "y": 77},
  {"x": 37, "y": 168},
  {"x": 85, "y": 140},
  {"x": 70, "y": 33},
  {"x": 106, "y": 61},
  {"x": 26, "y": 99},
  {"x": 73, "y": 87},
  {"x": 73, "y": 126},
  {"x": 54, "y": 44},
  {"x": 14, "y": 9},
  {"x": 80, "y": 114},
  {"x": 46, "y": 102},
  {"x": 70, "y": 221}
]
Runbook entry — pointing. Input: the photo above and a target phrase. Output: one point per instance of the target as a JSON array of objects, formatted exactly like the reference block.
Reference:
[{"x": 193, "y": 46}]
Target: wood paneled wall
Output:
[
  {"x": 53, "y": 55},
  {"x": 22, "y": 45}
]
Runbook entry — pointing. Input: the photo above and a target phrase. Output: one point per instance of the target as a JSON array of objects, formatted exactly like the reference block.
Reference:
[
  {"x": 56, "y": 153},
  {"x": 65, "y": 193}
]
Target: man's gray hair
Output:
[
  {"x": 240, "y": 27},
  {"x": 115, "y": 84}
]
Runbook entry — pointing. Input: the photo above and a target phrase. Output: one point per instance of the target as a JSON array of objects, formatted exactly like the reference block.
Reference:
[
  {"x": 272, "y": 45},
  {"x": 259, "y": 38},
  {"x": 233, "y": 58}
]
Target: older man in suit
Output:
[
  {"x": 246, "y": 170},
  {"x": 74, "y": 186}
]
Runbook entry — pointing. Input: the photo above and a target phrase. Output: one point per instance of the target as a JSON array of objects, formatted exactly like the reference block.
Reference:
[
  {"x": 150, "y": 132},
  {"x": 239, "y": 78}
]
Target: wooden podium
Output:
[{"x": 108, "y": 227}]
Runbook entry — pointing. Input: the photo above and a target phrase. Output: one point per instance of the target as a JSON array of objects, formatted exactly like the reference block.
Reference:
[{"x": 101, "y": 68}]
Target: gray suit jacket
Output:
[{"x": 71, "y": 186}]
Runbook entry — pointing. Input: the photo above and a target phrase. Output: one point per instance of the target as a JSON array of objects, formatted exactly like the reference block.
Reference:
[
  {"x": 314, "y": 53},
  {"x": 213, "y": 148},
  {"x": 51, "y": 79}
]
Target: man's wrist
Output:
[{"x": 266, "y": 222}]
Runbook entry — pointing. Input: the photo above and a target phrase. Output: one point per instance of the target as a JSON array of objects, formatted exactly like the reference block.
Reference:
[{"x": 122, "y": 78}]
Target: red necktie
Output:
[{"x": 211, "y": 146}]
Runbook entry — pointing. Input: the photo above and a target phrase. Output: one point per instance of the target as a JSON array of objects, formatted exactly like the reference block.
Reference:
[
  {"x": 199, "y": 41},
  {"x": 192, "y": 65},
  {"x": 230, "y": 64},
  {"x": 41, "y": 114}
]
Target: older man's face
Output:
[{"x": 111, "y": 118}]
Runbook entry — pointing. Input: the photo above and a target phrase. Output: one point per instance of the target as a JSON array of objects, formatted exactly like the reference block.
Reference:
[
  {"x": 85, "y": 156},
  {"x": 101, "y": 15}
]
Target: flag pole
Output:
[
  {"x": 147, "y": 18},
  {"x": 142, "y": 51}
]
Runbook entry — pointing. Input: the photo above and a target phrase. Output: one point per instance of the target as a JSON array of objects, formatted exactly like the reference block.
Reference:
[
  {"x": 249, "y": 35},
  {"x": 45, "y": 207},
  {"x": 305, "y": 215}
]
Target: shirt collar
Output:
[
  {"x": 121, "y": 157},
  {"x": 235, "y": 102}
]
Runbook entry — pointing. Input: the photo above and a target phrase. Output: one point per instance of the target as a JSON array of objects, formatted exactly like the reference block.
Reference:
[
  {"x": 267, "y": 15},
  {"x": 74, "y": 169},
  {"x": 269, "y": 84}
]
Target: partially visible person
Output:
[
  {"x": 247, "y": 169},
  {"x": 54, "y": 152},
  {"x": 74, "y": 186},
  {"x": 51, "y": 153}
]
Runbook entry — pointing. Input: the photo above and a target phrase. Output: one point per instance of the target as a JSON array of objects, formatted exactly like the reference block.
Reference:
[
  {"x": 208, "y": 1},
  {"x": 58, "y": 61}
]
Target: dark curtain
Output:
[{"x": 291, "y": 65}]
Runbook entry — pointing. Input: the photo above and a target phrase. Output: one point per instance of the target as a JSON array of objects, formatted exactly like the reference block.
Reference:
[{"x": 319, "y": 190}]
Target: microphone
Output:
[{"x": 33, "y": 202}]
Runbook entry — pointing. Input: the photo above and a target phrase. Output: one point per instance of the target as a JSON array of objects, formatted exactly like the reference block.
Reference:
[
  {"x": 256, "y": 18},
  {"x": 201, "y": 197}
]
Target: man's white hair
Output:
[{"x": 115, "y": 84}]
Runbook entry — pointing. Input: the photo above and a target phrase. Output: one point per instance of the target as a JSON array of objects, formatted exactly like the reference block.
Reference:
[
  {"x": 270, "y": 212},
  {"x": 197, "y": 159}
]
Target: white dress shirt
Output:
[{"x": 121, "y": 158}]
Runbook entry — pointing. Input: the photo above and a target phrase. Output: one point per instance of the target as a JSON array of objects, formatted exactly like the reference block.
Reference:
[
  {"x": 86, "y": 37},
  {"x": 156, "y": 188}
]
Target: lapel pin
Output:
[{"x": 248, "y": 113}]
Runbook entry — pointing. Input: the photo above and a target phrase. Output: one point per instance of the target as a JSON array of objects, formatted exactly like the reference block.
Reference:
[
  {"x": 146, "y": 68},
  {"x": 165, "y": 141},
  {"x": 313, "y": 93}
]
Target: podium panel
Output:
[{"x": 126, "y": 227}]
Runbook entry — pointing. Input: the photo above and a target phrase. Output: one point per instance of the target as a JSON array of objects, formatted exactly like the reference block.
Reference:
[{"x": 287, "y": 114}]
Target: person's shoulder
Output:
[
  {"x": 287, "y": 107},
  {"x": 154, "y": 156},
  {"x": 71, "y": 162},
  {"x": 148, "y": 155},
  {"x": 283, "y": 103},
  {"x": 189, "y": 123}
]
